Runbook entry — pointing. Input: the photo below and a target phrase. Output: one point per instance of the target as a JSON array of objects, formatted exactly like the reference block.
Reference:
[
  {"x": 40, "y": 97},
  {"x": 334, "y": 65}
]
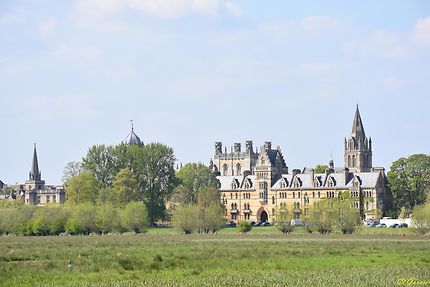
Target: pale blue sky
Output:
[{"x": 192, "y": 72}]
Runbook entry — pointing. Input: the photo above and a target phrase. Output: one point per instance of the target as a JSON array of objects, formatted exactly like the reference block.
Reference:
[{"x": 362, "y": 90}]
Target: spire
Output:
[
  {"x": 357, "y": 126},
  {"x": 35, "y": 172}
]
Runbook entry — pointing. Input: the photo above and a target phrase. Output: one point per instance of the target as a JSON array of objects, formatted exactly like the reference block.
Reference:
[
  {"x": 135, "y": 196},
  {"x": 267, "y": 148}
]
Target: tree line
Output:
[{"x": 83, "y": 218}]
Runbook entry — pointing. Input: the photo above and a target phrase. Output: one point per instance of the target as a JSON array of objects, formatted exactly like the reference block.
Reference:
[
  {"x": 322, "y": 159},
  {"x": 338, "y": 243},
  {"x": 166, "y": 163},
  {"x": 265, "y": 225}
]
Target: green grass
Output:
[{"x": 263, "y": 257}]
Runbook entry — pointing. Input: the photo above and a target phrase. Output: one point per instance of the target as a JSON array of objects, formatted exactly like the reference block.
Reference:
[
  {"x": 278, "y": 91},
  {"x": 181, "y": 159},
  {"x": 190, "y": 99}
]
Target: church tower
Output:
[{"x": 358, "y": 149}]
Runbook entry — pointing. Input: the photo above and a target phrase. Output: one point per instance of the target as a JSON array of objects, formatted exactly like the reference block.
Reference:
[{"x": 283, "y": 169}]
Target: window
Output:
[
  {"x": 313, "y": 194},
  {"x": 236, "y": 195},
  {"x": 298, "y": 195},
  {"x": 294, "y": 194},
  {"x": 224, "y": 169},
  {"x": 319, "y": 194},
  {"x": 273, "y": 200},
  {"x": 238, "y": 169}
]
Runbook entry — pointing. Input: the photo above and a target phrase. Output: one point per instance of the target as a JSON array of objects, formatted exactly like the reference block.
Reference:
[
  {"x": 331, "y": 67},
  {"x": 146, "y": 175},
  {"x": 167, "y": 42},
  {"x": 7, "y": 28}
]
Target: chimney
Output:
[{"x": 268, "y": 146}]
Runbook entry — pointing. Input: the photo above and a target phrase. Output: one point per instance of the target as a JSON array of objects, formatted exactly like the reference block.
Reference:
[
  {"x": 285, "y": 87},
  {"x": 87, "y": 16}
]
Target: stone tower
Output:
[
  {"x": 358, "y": 149},
  {"x": 34, "y": 183}
]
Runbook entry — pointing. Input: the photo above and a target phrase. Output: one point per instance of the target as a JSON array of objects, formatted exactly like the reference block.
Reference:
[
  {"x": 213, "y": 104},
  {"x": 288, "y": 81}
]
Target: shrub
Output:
[
  {"x": 421, "y": 218},
  {"x": 82, "y": 219},
  {"x": 244, "y": 226},
  {"x": 134, "y": 217},
  {"x": 348, "y": 219},
  {"x": 211, "y": 219},
  {"x": 285, "y": 226},
  {"x": 106, "y": 219},
  {"x": 185, "y": 218},
  {"x": 7, "y": 218}
]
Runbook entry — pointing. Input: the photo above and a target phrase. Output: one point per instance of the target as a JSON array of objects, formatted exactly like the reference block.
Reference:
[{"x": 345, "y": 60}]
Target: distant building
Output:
[
  {"x": 37, "y": 192},
  {"x": 255, "y": 184}
]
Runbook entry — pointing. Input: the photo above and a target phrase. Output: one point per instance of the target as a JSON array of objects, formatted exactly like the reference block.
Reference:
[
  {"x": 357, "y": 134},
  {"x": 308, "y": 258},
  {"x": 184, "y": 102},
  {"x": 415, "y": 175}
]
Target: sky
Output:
[{"x": 193, "y": 72}]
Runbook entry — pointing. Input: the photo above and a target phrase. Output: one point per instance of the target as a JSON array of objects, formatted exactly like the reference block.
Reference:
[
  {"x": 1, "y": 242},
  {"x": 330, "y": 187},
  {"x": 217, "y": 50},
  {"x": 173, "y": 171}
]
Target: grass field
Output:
[{"x": 263, "y": 257}]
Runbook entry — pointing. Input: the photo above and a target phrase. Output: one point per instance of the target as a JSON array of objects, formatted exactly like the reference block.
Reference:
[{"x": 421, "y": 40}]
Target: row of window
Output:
[{"x": 238, "y": 170}]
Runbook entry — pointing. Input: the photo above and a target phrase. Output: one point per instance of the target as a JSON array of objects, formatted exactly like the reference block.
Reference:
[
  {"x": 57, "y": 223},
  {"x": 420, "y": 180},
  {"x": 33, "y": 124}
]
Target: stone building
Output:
[
  {"x": 35, "y": 191},
  {"x": 254, "y": 184}
]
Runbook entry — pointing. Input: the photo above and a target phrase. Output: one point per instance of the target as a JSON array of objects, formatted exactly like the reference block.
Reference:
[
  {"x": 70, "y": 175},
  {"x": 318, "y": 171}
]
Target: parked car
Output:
[
  {"x": 395, "y": 225},
  {"x": 267, "y": 223},
  {"x": 372, "y": 224},
  {"x": 258, "y": 223},
  {"x": 252, "y": 223},
  {"x": 230, "y": 224},
  {"x": 381, "y": 225},
  {"x": 403, "y": 225},
  {"x": 297, "y": 222}
]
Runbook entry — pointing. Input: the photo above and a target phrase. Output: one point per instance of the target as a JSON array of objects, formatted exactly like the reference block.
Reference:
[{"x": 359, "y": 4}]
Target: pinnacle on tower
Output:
[
  {"x": 357, "y": 126},
  {"x": 35, "y": 174}
]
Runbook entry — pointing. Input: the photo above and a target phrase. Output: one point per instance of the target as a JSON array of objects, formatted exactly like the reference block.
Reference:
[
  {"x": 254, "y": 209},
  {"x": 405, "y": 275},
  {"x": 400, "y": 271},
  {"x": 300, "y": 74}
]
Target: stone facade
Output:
[
  {"x": 255, "y": 184},
  {"x": 34, "y": 191}
]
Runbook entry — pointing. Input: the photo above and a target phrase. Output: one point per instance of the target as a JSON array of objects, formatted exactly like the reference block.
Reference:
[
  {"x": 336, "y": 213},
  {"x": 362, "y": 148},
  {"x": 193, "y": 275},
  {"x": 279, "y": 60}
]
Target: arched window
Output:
[
  {"x": 238, "y": 169},
  {"x": 273, "y": 200},
  {"x": 319, "y": 194},
  {"x": 294, "y": 194},
  {"x": 224, "y": 169},
  {"x": 353, "y": 160},
  {"x": 313, "y": 194}
]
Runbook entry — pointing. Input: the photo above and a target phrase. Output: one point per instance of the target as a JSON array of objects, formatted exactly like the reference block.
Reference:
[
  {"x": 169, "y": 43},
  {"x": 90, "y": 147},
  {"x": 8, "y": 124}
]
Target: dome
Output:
[{"x": 133, "y": 138}]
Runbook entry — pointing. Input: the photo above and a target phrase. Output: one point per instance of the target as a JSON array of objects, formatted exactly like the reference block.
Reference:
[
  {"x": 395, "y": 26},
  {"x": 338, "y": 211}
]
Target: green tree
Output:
[
  {"x": 211, "y": 211},
  {"x": 347, "y": 218},
  {"x": 156, "y": 177},
  {"x": 7, "y": 218},
  {"x": 421, "y": 218},
  {"x": 101, "y": 162},
  {"x": 185, "y": 218},
  {"x": 244, "y": 226},
  {"x": 283, "y": 220},
  {"x": 193, "y": 177},
  {"x": 409, "y": 181},
  {"x": 81, "y": 188},
  {"x": 321, "y": 168},
  {"x": 106, "y": 218},
  {"x": 82, "y": 219},
  {"x": 125, "y": 187},
  {"x": 134, "y": 217},
  {"x": 321, "y": 217},
  {"x": 71, "y": 169}
]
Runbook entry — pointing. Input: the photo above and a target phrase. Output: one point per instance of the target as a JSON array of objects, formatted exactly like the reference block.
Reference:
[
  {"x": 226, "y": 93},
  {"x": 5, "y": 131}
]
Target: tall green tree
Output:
[
  {"x": 193, "y": 177},
  {"x": 71, "y": 169},
  {"x": 81, "y": 188},
  {"x": 154, "y": 167},
  {"x": 125, "y": 187},
  {"x": 101, "y": 163},
  {"x": 409, "y": 181},
  {"x": 210, "y": 210}
]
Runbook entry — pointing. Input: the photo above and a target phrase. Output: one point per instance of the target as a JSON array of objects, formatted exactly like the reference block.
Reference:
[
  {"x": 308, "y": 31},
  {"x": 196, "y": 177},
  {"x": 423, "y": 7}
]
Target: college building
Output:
[
  {"x": 255, "y": 184},
  {"x": 34, "y": 191}
]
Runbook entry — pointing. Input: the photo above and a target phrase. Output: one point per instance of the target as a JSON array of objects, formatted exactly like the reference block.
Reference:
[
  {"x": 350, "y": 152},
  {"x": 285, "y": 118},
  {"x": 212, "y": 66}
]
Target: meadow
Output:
[{"x": 263, "y": 257}]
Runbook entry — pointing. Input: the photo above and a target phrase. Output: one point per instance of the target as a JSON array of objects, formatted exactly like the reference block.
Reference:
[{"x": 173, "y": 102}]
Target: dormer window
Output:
[
  {"x": 297, "y": 183},
  {"x": 316, "y": 182}
]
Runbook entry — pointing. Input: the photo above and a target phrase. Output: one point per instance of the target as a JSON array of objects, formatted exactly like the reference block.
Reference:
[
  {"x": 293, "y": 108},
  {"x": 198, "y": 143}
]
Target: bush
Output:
[
  {"x": 82, "y": 219},
  {"x": 134, "y": 217},
  {"x": 348, "y": 219},
  {"x": 7, "y": 218},
  {"x": 285, "y": 226},
  {"x": 421, "y": 218},
  {"x": 185, "y": 218},
  {"x": 244, "y": 226},
  {"x": 211, "y": 218},
  {"x": 106, "y": 219}
]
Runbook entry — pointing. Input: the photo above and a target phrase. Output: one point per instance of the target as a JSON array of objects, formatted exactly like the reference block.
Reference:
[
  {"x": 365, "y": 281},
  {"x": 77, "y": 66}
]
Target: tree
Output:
[
  {"x": 409, "y": 181},
  {"x": 156, "y": 177},
  {"x": 82, "y": 219},
  {"x": 125, "y": 187},
  {"x": 134, "y": 217},
  {"x": 211, "y": 211},
  {"x": 106, "y": 218},
  {"x": 421, "y": 218},
  {"x": 81, "y": 188},
  {"x": 347, "y": 218},
  {"x": 7, "y": 218},
  {"x": 101, "y": 163},
  {"x": 321, "y": 168},
  {"x": 71, "y": 169},
  {"x": 193, "y": 177},
  {"x": 185, "y": 218},
  {"x": 283, "y": 220},
  {"x": 320, "y": 217}
]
